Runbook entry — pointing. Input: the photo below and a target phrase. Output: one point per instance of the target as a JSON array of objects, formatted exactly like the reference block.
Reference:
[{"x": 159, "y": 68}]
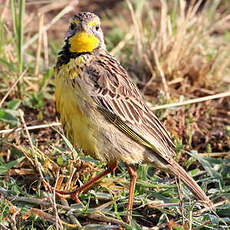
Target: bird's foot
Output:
[
  {"x": 128, "y": 217},
  {"x": 64, "y": 194}
]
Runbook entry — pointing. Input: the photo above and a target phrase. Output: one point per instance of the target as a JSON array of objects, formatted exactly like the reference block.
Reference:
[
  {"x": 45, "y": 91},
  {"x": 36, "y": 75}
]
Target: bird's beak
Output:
[{"x": 84, "y": 27}]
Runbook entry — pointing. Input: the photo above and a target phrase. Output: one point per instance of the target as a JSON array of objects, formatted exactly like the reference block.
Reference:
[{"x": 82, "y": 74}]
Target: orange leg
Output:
[
  {"x": 133, "y": 177},
  {"x": 74, "y": 194}
]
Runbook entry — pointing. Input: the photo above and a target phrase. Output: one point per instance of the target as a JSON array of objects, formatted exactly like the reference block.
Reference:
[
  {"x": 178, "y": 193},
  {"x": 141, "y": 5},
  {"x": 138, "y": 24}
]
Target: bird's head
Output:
[{"x": 84, "y": 34}]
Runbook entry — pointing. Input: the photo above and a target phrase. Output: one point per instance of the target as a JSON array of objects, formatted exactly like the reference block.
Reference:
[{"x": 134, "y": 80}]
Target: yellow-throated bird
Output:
[{"x": 103, "y": 112}]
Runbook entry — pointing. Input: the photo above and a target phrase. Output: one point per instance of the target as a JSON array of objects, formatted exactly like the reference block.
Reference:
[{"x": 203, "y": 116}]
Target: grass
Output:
[
  {"x": 17, "y": 18},
  {"x": 174, "y": 58}
]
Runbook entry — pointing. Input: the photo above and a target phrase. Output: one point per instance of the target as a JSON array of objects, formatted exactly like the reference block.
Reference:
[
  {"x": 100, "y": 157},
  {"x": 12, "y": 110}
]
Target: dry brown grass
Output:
[
  {"x": 186, "y": 50},
  {"x": 173, "y": 56}
]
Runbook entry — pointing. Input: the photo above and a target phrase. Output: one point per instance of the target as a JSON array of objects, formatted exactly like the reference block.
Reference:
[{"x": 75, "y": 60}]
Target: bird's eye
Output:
[
  {"x": 97, "y": 28},
  {"x": 72, "y": 26}
]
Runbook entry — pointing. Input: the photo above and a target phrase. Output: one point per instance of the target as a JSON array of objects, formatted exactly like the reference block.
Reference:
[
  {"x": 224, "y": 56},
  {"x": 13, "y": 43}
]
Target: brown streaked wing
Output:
[{"x": 114, "y": 90}]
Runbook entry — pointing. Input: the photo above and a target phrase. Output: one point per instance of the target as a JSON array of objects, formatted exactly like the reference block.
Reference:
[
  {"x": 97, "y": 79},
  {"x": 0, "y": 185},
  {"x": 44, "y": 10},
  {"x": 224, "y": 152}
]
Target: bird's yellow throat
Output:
[{"x": 83, "y": 42}]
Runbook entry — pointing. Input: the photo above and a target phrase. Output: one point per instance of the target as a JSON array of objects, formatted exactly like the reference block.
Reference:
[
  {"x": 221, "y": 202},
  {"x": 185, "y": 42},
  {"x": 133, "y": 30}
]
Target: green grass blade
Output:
[
  {"x": 14, "y": 18},
  {"x": 18, "y": 28},
  {"x": 4, "y": 168},
  {"x": 20, "y": 33}
]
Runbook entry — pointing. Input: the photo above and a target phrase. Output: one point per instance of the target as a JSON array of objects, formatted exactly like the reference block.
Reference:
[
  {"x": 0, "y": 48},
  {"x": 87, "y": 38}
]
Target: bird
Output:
[{"x": 104, "y": 114}]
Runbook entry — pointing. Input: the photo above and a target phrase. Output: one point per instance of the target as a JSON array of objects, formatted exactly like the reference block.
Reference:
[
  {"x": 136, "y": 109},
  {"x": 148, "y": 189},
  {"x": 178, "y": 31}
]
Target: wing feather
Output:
[{"x": 120, "y": 101}]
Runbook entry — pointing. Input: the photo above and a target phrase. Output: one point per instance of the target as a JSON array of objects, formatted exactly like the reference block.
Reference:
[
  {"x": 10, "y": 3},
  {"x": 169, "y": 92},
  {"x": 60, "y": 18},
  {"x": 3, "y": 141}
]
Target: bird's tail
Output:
[{"x": 178, "y": 171}]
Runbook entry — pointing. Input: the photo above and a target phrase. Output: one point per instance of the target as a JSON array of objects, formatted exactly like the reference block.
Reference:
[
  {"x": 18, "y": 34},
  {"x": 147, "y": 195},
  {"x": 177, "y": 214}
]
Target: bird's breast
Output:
[{"x": 75, "y": 108}]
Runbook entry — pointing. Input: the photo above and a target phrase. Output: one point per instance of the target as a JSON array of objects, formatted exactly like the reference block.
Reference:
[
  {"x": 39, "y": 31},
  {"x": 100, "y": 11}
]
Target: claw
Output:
[
  {"x": 63, "y": 194},
  {"x": 74, "y": 194}
]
